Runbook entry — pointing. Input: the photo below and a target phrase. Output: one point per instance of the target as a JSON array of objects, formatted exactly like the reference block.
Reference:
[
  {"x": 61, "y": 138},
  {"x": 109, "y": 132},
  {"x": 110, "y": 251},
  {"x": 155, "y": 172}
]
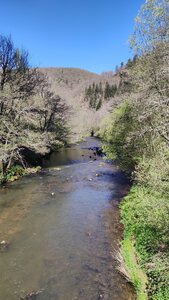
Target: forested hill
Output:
[{"x": 72, "y": 84}]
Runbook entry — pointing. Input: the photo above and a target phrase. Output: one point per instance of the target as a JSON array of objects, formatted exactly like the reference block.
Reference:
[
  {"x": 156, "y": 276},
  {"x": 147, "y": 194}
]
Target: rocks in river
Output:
[
  {"x": 89, "y": 234},
  {"x": 97, "y": 175},
  {"x": 96, "y": 151},
  {"x": 2, "y": 243},
  {"x": 57, "y": 169},
  {"x": 4, "y": 246}
]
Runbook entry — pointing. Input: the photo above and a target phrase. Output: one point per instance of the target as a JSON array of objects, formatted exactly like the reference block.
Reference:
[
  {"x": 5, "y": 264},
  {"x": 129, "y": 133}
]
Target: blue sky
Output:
[{"x": 88, "y": 34}]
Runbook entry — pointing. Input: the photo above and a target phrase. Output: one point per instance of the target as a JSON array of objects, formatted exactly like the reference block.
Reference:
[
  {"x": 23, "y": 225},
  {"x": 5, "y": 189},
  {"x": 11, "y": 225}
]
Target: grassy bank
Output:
[
  {"x": 145, "y": 210},
  {"x": 136, "y": 274}
]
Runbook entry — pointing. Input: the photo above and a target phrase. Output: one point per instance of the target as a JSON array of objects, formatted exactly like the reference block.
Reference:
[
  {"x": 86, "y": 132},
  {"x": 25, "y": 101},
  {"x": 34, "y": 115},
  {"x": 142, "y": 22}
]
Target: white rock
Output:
[{"x": 3, "y": 243}]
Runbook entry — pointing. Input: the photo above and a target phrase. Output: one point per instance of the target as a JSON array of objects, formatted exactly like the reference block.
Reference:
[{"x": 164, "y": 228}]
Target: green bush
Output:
[
  {"x": 14, "y": 172},
  {"x": 116, "y": 134}
]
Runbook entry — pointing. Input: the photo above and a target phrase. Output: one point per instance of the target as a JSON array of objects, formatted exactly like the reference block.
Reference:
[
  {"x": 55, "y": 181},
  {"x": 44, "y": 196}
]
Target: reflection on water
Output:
[{"x": 62, "y": 230}]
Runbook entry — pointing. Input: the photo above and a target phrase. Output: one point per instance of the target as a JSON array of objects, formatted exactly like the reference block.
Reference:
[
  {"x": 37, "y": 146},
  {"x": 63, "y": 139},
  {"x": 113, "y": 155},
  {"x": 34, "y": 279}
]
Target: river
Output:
[{"x": 61, "y": 227}]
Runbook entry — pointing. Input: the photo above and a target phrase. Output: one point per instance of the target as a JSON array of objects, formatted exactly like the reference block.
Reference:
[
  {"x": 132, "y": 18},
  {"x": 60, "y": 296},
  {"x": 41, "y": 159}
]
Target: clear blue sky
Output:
[{"x": 88, "y": 34}]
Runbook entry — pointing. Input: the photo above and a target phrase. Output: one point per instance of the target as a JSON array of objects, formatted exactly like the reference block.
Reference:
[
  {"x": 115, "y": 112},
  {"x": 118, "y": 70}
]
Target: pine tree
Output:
[
  {"x": 99, "y": 104},
  {"x": 100, "y": 88},
  {"x": 107, "y": 91}
]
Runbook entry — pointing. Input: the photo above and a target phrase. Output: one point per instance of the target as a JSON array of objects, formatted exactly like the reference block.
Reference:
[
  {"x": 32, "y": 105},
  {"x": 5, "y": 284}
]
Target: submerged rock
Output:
[
  {"x": 4, "y": 246},
  {"x": 57, "y": 169},
  {"x": 97, "y": 175}
]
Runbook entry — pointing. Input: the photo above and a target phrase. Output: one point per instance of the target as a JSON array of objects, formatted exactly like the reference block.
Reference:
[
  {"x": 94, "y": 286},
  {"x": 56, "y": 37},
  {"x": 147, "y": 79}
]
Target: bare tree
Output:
[{"x": 31, "y": 116}]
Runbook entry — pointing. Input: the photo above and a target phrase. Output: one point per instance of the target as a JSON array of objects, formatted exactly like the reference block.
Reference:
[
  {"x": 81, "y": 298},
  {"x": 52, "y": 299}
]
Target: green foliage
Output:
[
  {"x": 153, "y": 173},
  {"x": 14, "y": 173},
  {"x": 150, "y": 229},
  {"x": 119, "y": 141},
  {"x": 157, "y": 272},
  {"x": 145, "y": 211},
  {"x": 96, "y": 93},
  {"x": 161, "y": 295},
  {"x": 145, "y": 215},
  {"x": 137, "y": 135}
]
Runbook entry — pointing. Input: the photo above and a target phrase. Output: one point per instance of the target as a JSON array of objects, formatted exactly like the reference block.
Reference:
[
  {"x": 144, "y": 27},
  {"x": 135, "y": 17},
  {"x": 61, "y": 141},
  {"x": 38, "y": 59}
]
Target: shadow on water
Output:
[{"x": 62, "y": 228}]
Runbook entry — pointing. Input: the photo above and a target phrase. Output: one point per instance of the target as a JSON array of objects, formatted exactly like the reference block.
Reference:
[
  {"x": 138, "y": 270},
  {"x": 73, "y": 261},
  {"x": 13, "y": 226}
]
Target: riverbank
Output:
[
  {"x": 144, "y": 211},
  {"x": 31, "y": 163},
  {"x": 17, "y": 172}
]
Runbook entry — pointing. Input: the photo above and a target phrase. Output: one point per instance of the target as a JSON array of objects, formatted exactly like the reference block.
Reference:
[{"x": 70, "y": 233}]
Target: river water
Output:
[{"x": 62, "y": 230}]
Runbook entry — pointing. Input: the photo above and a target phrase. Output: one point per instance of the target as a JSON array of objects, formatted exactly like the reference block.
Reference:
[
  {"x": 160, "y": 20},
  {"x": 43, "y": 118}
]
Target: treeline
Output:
[
  {"x": 130, "y": 62},
  {"x": 32, "y": 118},
  {"x": 95, "y": 94},
  {"x": 137, "y": 135}
]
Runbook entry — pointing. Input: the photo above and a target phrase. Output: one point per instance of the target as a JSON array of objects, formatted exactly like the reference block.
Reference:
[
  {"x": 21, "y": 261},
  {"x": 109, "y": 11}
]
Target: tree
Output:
[
  {"x": 152, "y": 25},
  {"x": 107, "y": 91},
  {"x": 116, "y": 69},
  {"x": 100, "y": 88},
  {"x": 99, "y": 104},
  {"x": 150, "y": 73},
  {"x": 30, "y": 115},
  {"x": 122, "y": 65},
  {"x": 129, "y": 63},
  {"x": 137, "y": 135}
]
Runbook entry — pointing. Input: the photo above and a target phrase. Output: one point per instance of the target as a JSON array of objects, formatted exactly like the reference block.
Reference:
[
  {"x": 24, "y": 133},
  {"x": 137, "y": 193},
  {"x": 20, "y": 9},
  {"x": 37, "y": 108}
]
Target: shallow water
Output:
[{"x": 63, "y": 231}]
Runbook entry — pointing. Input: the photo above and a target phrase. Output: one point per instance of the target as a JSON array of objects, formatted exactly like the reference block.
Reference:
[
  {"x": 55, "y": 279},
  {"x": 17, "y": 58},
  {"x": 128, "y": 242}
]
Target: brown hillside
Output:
[{"x": 70, "y": 84}]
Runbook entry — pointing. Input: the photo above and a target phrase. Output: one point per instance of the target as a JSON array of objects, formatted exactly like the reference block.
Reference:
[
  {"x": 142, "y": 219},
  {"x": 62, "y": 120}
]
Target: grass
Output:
[{"x": 136, "y": 274}]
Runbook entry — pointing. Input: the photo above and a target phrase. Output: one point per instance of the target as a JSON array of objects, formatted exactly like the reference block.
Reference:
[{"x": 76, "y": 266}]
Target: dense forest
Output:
[
  {"x": 32, "y": 118},
  {"x": 137, "y": 135}
]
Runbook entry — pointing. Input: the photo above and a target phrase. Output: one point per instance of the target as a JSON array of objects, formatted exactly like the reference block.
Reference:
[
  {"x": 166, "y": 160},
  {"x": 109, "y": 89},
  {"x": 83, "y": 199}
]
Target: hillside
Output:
[{"x": 70, "y": 84}]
